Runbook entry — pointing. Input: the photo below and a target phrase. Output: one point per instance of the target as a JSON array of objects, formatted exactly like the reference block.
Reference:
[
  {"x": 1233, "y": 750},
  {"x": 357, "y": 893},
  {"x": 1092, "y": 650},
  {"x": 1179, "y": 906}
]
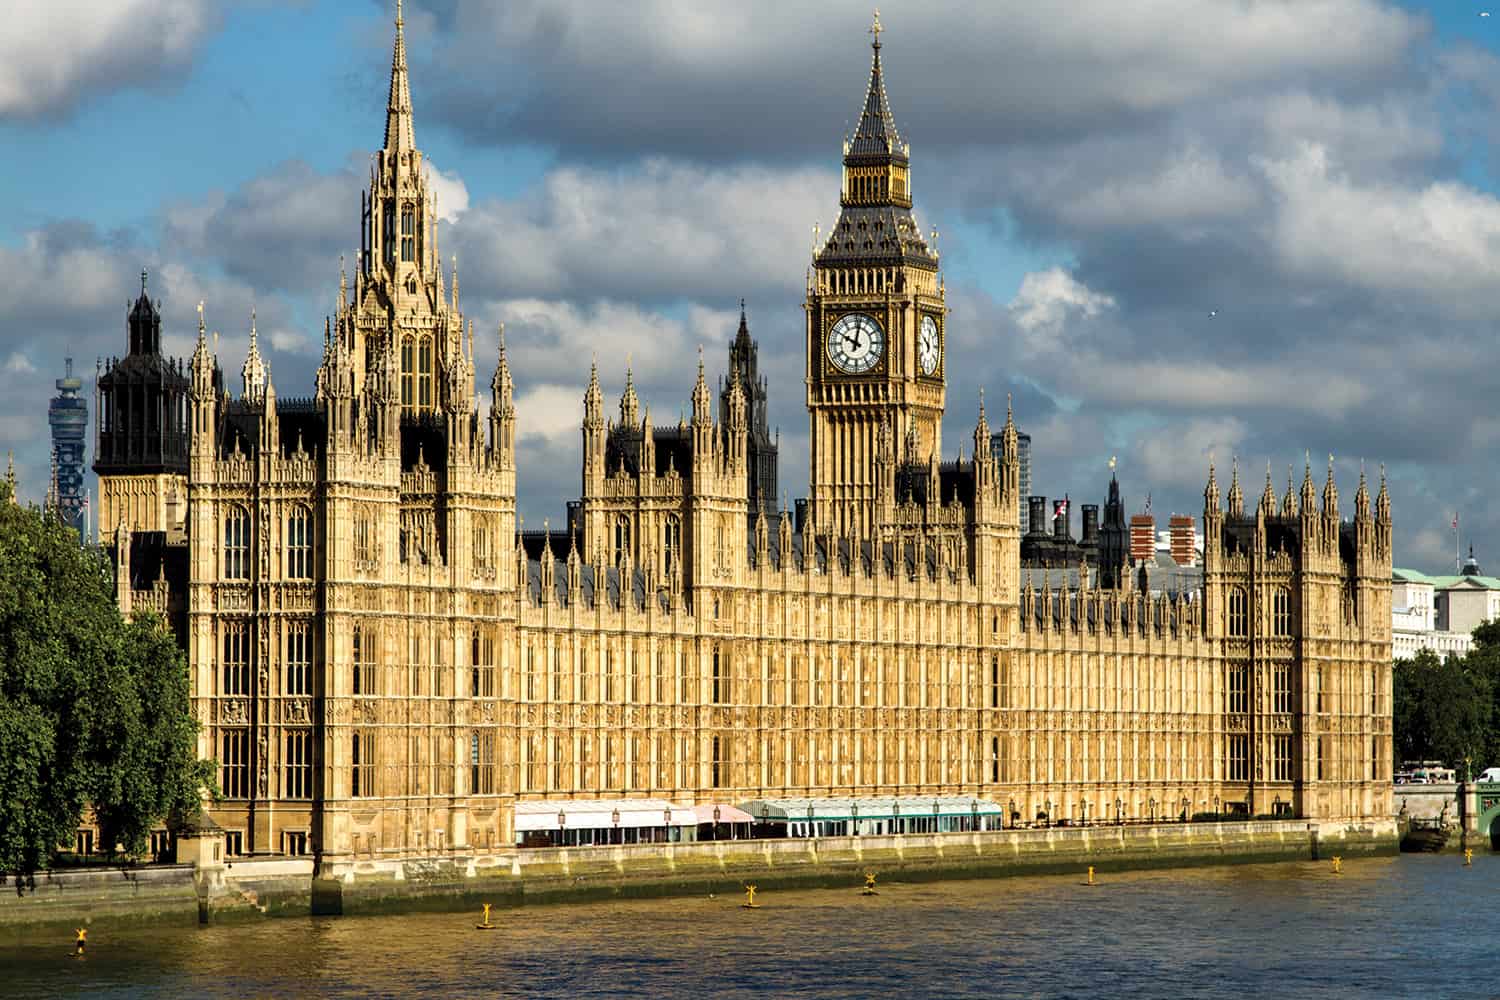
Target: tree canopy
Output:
[{"x": 94, "y": 710}]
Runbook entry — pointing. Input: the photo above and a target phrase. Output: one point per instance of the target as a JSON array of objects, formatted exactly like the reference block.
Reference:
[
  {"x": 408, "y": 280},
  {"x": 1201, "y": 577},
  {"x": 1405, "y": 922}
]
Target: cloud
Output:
[
  {"x": 1007, "y": 68},
  {"x": 1047, "y": 298},
  {"x": 659, "y": 231},
  {"x": 1441, "y": 239},
  {"x": 55, "y": 55}
]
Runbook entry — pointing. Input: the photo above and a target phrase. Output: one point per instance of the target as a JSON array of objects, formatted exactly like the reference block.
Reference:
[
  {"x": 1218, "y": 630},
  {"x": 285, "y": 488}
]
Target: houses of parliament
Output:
[{"x": 387, "y": 664}]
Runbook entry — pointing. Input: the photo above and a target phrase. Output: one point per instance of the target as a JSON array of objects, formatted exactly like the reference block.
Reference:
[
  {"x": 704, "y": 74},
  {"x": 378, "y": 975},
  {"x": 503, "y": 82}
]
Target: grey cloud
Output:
[{"x": 54, "y": 56}]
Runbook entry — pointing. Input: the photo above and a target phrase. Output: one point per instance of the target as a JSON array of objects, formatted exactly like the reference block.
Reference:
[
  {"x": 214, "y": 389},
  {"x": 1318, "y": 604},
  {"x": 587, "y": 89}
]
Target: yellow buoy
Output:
[
  {"x": 869, "y": 889},
  {"x": 1338, "y": 865},
  {"x": 80, "y": 941},
  {"x": 750, "y": 903},
  {"x": 1468, "y": 856},
  {"x": 485, "y": 925}
]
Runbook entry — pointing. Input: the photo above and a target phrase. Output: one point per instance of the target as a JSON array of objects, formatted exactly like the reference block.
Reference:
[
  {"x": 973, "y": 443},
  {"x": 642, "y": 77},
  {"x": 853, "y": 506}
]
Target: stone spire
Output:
[
  {"x": 1309, "y": 492},
  {"x": 1236, "y": 496},
  {"x": 630, "y": 403},
  {"x": 255, "y": 372},
  {"x": 1362, "y": 497},
  {"x": 1289, "y": 501},
  {"x": 1211, "y": 491},
  {"x": 593, "y": 399},
  {"x": 398, "y": 124},
  {"x": 1330, "y": 493},
  {"x": 1383, "y": 501},
  {"x": 501, "y": 386},
  {"x": 701, "y": 401},
  {"x": 1268, "y": 497}
]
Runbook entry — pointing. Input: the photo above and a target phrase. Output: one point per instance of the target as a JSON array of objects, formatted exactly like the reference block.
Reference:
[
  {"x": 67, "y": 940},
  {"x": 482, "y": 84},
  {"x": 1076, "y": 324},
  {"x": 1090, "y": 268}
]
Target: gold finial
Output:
[
  {"x": 1111, "y": 463},
  {"x": 398, "y": 13},
  {"x": 875, "y": 29}
]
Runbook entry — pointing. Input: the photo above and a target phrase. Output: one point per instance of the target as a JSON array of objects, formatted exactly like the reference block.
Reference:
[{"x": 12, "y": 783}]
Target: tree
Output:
[
  {"x": 93, "y": 709},
  {"x": 1441, "y": 709}
]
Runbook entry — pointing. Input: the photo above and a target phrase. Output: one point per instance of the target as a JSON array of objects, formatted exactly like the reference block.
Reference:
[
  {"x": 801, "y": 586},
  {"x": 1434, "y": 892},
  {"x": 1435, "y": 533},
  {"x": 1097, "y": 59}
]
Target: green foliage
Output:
[
  {"x": 1442, "y": 709},
  {"x": 93, "y": 709}
]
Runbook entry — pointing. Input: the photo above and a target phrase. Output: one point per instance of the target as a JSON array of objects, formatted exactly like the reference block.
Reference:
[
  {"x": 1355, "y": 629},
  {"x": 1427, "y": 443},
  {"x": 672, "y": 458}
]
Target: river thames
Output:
[{"x": 1413, "y": 926}]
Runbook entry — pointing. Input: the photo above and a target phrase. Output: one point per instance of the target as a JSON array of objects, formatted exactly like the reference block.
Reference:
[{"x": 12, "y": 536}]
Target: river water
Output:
[{"x": 1413, "y": 926}]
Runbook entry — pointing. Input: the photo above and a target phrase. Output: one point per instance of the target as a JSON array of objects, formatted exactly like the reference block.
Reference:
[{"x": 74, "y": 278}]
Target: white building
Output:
[{"x": 1440, "y": 613}]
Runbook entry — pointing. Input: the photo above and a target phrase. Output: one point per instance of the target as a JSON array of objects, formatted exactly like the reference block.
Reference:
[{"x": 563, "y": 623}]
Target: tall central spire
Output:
[{"x": 398, "y": 128}]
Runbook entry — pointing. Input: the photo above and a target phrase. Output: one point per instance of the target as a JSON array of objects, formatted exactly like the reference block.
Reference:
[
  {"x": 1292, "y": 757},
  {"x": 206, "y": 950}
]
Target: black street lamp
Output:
[
  {"x": 1186, "y": 805},
  {"x": 1216, "y": 808},
  {"x": 1276, "y": 807},
  {"x": 1151, "y": 804},
  {"x": 716, "y": 823},
  {"x": 666, "y": 822},
  {"x": 1119, "y": 813},
  {"x": 854, "y": 822},
  {"x": 896, "y": 815},
  {"x": 614, "y": 817},
  {"x": 1047, "y": 812},
  {"x": 1012, "y": 815},
  {"x": 934, "y": 815},
  {"x": 562, "y": 826},
  {"x": 974, "y": 814}
]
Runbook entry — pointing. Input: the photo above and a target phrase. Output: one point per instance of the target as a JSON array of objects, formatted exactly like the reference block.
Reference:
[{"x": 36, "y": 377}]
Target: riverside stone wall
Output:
[{"x": 247, "y": 889}]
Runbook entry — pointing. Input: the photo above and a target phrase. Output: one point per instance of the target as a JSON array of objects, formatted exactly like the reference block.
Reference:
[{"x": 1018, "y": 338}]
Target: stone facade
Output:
[{"x": 383, "y": 661}]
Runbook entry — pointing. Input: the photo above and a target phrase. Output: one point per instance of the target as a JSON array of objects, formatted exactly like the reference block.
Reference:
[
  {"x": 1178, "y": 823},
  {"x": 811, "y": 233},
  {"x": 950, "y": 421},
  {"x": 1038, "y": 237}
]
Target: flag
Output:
[
  {"x": 1061, "y": 510},
  {"x": 1455, "y": 522}
]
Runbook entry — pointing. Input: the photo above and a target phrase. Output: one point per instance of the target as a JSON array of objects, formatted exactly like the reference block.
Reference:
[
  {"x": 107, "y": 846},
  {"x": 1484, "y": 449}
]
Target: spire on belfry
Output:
[
  {"x": 398, "y": 127},
  {"x": 630, "y": 403},
  {"x": 1289, "y": 502},
  {"x": 1383, "y": 501},
  {"x": 876, "y": 131},
  {"x": 1211, "y": 491}
]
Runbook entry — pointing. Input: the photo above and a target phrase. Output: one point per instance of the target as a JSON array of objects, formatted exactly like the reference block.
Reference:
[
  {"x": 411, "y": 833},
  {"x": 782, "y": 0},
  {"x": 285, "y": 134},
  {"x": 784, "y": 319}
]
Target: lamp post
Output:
[
  {"x": 1119, "y": 813},
  {"x": 1216, "y": 808},
  {"x": 854, "y": 821},
  {"x": 934, "y": 815},
  {"x": 1186, "y": 805},
  {"x": 1151, "y": 805},
  {"x": 896, "y": 815},
  {"x": 562, "y": 826},
  {"x": 716, "y": 822},
  {"x": 614, "y": 818},
  {"x": 666, "y": 822},
  {"x": 1047, "y": 812},
  {"x": 1011, "y": 814},
  {"x": 1276, "y": 807},
  {"x": 974, "y": 815},
  {"x": 809, "y": 819}
]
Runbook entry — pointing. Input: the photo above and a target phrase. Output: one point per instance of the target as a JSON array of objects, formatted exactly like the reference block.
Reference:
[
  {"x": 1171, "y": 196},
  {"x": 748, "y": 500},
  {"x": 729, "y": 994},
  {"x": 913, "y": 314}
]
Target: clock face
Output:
[
  {"x": 856, "y": 343},
  {"x": 928, "y": 347}
]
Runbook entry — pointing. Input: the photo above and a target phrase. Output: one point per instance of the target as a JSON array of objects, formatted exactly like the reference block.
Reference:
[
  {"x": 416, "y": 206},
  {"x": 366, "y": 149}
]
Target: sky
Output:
[{"x": 1255, "y": 232}]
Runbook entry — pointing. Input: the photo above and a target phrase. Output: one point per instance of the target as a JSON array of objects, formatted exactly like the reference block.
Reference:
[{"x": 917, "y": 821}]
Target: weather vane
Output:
[{"x": 876, "y": 29}]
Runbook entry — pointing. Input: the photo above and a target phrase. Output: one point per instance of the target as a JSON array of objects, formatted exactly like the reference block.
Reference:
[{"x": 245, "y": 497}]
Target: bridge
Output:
[
  {"x": 1446, "y": 802},
  {"x": 1489, "y": 811}
]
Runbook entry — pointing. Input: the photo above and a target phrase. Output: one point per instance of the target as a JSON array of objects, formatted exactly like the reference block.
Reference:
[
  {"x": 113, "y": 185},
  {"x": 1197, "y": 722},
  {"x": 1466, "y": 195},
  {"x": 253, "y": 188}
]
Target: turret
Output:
[
  {"x": 630, "y": 403},
  {"x": 1236, "y": 496},
  {"x": 255, "y": 373}
]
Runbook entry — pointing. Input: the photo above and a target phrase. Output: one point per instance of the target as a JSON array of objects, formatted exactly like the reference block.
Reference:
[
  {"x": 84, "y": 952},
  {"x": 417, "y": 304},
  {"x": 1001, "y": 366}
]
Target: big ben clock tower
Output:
[{"x": 875, "y": 326}]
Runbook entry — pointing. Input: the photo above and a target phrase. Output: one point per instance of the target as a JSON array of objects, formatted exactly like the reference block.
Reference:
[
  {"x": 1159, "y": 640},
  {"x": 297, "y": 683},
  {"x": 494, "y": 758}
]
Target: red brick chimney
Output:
[
  {"x": 1142, "y": 537},
  {"x": 1181, "y": 529}
]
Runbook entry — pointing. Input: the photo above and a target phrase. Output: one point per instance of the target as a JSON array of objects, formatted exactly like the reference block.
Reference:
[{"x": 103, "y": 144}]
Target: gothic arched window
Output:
[
  {"x": 406, "y": 371},
  {"x": 1281, "y": 612},
  {"x": 408, "y": 234},
  {"x": 424, "y": 371},
  {"x": 671, "y": 544},
  {"x": 299, "y": 544},
  {"x": 237, "y": 544},
  {"x": 622, "y": 543},
  {"x": 1239, "y": 613}
]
